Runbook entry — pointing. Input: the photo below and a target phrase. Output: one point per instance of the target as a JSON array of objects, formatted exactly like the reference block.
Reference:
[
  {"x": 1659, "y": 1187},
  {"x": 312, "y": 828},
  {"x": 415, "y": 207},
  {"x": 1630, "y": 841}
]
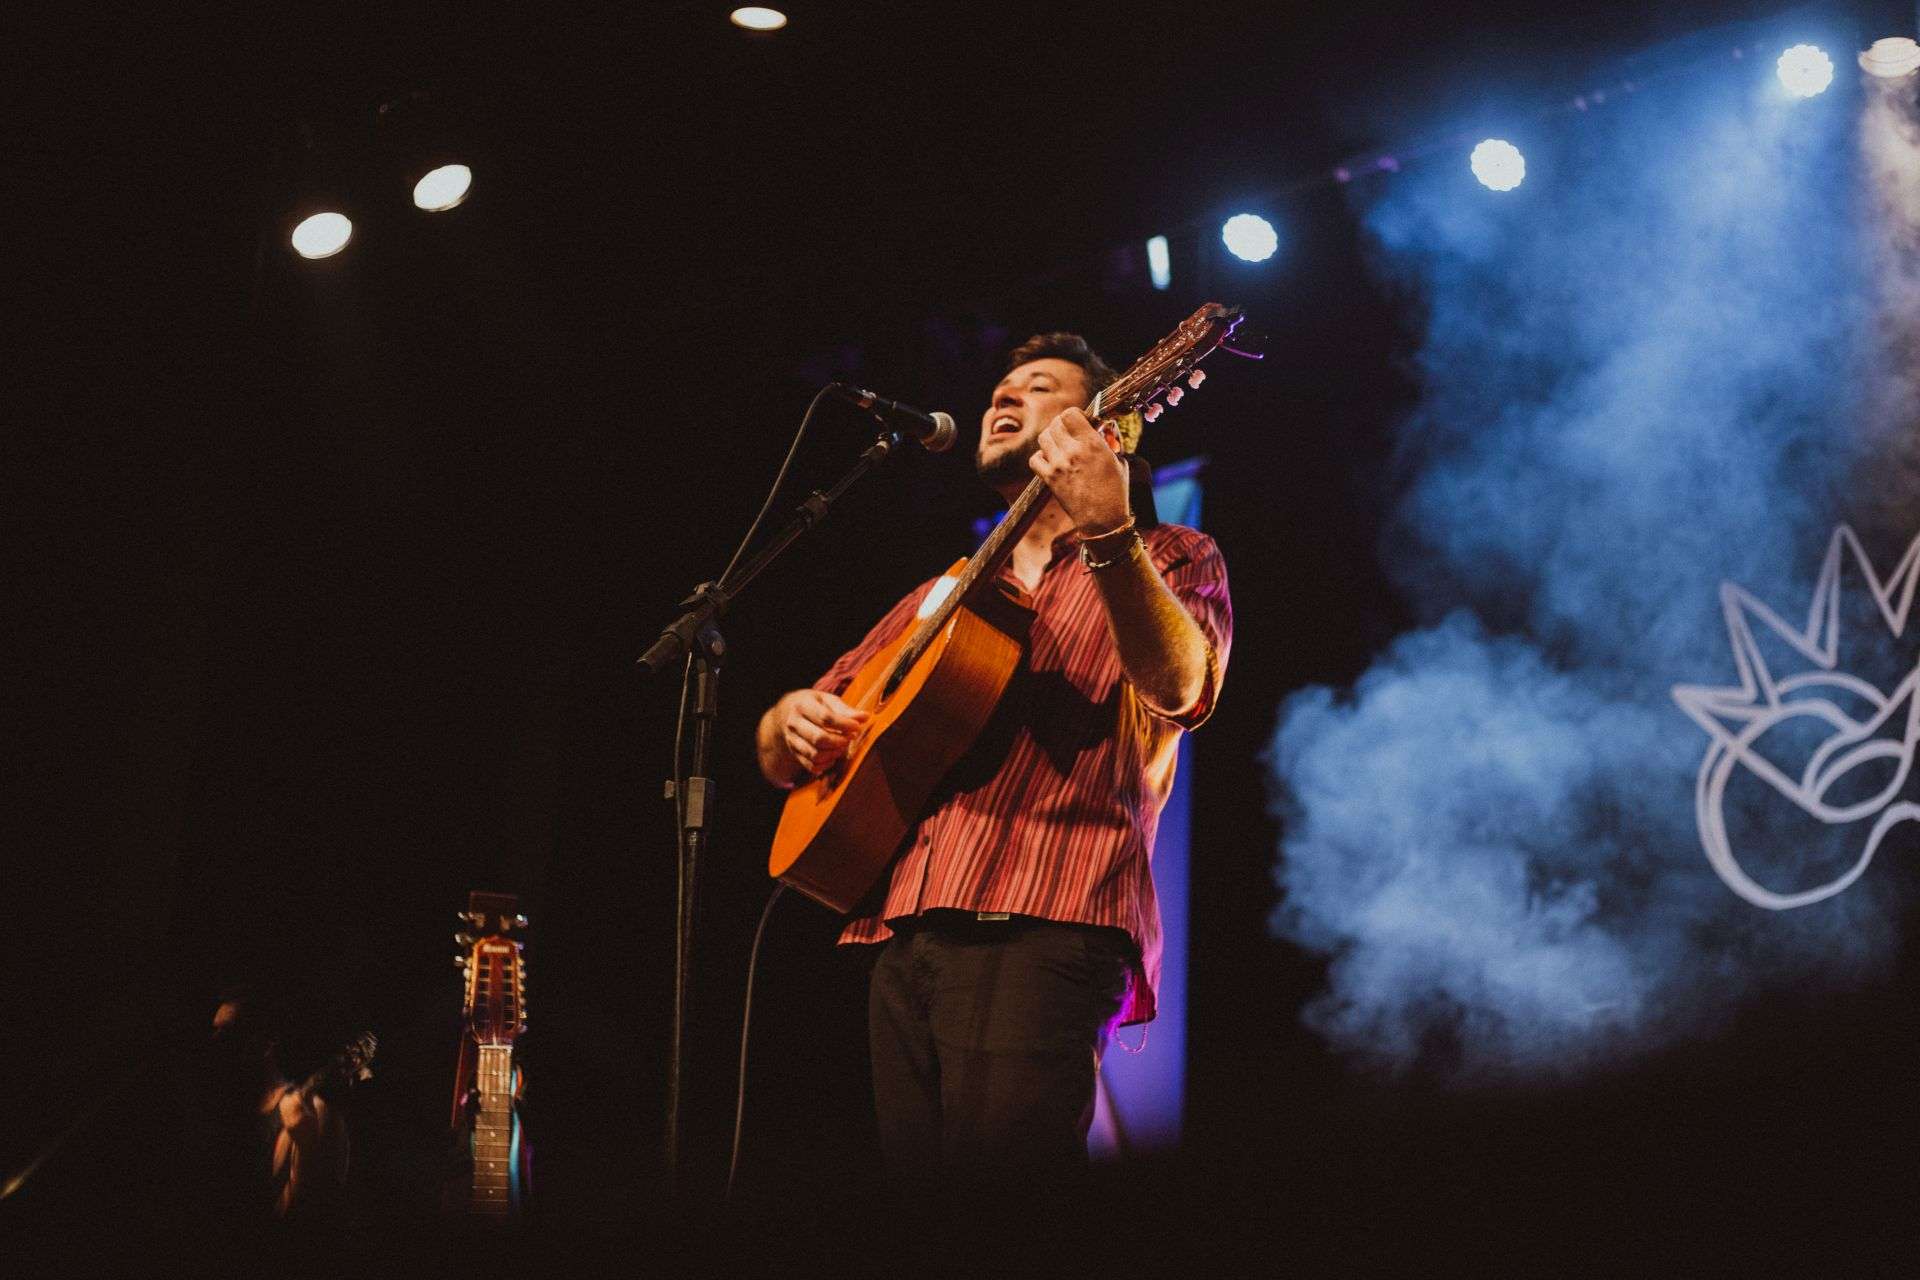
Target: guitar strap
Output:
[{"x": 1140, "y": 491}]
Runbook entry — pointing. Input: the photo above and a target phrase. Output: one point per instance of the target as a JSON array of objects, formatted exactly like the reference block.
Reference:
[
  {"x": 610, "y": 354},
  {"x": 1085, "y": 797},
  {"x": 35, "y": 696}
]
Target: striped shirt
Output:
[{"x": 1052, "y": 813}]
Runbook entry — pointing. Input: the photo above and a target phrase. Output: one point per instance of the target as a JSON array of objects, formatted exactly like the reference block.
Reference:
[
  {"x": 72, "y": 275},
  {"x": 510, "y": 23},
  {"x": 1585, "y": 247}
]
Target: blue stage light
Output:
[
  {"x": 1891, "y": 58},
  {"x": 1804, "y": 71},
  {"x": 1249, "y": 237},
  {"x": 1498, "y": 164}
]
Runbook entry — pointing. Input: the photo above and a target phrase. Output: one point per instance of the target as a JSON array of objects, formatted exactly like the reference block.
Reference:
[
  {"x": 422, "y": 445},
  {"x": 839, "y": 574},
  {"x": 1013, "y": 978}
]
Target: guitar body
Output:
[{"x": 839, "y": 832}]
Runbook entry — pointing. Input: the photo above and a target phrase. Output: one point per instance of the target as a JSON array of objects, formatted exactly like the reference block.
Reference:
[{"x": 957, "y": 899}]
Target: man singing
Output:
[{"x": 1019, "y": 920}]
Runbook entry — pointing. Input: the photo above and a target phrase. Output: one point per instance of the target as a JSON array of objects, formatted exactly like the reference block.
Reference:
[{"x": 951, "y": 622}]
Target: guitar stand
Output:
[{"x": 695, "y": 634}]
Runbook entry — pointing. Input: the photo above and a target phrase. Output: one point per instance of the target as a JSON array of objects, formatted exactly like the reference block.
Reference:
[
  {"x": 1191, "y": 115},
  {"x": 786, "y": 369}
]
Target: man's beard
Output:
[{"x": 1007, "y": 467}]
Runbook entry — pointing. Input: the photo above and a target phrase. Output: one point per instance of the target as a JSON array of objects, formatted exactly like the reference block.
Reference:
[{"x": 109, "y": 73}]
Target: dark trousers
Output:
[{"x": 986, "y": 1035}]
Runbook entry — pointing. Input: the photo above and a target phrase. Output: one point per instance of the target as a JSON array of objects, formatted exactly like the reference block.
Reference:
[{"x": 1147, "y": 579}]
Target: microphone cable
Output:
[
  {"x": 683, "y": 891},
  {"x": 746, "y": 1025},
  {"x": 679, "y": 787},
  {"x": 779, "y": 482}
]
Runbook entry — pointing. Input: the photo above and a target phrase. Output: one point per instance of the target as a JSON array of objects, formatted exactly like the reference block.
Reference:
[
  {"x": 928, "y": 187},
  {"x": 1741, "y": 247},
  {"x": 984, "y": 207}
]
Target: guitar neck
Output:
[
  {"x": 493, "y": 1131},
  {"x": 996, "y": 550}
]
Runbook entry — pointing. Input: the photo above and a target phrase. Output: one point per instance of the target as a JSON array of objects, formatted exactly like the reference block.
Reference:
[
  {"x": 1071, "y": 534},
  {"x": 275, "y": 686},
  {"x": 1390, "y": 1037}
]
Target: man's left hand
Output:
[{"x": 1086, "y": 476}]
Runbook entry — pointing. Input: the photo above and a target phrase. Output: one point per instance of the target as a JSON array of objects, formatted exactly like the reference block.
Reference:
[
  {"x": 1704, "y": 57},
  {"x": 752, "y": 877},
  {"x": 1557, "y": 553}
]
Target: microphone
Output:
[{"x": 935, "y": 431}]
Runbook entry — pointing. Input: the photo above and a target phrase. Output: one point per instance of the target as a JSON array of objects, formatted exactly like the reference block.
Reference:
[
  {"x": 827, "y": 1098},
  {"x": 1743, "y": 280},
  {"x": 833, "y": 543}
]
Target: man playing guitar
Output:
[{"x": 1019, "y": 920}]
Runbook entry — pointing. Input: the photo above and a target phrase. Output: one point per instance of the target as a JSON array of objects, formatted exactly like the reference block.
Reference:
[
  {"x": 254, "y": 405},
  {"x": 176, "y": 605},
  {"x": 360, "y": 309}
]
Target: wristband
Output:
[
  {"x": 1135, "y": 545},
  {"x": 1114, "y": 532}
]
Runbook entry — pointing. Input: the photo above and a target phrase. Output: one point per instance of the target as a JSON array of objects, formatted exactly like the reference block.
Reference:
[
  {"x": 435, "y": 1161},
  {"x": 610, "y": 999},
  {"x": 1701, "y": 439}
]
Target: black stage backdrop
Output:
[{"x": 327, "y": 578}]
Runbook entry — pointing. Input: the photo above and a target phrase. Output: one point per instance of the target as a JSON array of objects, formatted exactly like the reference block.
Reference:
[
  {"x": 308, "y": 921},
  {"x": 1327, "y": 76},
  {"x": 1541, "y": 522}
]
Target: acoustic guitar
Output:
[
  {"x": 488, "y": 1084},
  {"x": 932, "y": 691}
]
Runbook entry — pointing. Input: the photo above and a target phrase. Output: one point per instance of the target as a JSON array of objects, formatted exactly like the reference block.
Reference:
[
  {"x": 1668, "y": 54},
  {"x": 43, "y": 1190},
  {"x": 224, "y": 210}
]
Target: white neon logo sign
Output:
[{"x": 1736, "y": 717}]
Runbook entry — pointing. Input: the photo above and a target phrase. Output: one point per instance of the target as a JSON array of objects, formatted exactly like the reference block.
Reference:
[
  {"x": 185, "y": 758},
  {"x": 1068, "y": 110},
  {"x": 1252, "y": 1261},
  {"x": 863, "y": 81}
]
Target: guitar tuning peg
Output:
[
  {"x": 464, "y": 939},
  {"x": 460, "y": 962},
  {"x": 519, "y": 922},
  {"x": 1175, "y": 395},
  {"x": 1197, "y": 377},
  {"x": 1153, "y": 411}
]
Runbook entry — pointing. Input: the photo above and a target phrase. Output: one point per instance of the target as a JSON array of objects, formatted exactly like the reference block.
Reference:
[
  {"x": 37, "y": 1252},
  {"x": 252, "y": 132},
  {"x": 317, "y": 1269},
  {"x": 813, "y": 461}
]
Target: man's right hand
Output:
[{"x": 806, "y": 733}]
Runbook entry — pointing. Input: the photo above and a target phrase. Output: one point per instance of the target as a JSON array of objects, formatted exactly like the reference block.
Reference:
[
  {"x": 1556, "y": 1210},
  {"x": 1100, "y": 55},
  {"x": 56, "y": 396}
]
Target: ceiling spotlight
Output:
[
  {"x": 322, "y": 235},
  {"x": 1891, "y": 58},
  {"x": 1250, "y": 237},
  {"x": 443, "y": 188},
  {"x": 1804, "y": 71},
  {"x": 755, "y": 18},
  {"x": 1498, "y": 164},
  {"x": 1160, "y": 262}
]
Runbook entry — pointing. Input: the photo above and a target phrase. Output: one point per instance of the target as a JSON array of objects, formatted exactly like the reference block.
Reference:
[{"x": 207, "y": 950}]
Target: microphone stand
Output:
[{"x": 696, "y": 632}]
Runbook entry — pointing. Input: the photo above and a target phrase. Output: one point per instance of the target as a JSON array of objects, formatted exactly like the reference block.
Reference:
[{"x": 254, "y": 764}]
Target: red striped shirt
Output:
[{"x": 1053, "y": 812}]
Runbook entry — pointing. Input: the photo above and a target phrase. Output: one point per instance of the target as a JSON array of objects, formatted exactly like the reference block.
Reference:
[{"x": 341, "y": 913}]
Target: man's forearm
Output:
[{"x": 1162, "y": 649}]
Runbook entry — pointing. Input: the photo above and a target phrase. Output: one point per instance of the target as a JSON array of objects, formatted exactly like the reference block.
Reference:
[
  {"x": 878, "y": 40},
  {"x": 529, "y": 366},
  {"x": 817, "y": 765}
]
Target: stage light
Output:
[
  {"x": 1159, "y": 263},
  {"x": 755, "y": 18},
  {"x": 1804, "y": 71},
  {"x": 1249, "y": 237},
  {"x": 1891, "y": 58},
  {"x": 443, "y": 188},
  {"x": 322, "y": 235},
  {"x": 1498, "y": 164}
]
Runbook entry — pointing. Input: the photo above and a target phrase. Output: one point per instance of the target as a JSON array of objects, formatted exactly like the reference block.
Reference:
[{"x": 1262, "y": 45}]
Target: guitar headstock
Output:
[
  {"x": 1164, "y": 374},
  {"x": 496, "y": 972}
]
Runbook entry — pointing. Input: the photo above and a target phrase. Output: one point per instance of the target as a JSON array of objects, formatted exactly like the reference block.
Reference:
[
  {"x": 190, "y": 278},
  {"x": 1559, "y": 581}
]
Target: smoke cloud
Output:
[{"x": 1676, "y": 356}]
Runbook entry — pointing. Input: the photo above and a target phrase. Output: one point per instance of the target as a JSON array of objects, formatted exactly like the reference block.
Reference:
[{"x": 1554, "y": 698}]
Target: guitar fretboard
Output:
[{"x": 493, "y": 1131}]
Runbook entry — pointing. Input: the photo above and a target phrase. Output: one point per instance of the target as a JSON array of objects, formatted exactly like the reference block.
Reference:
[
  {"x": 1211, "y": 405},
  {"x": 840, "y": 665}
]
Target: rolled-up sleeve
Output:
[{"x": 1191, "y": 565}]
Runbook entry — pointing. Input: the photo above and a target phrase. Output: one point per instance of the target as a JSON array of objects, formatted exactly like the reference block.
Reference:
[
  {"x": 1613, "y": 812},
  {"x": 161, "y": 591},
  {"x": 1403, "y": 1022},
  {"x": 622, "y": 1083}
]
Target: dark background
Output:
[{"x": 326, "y": 580}]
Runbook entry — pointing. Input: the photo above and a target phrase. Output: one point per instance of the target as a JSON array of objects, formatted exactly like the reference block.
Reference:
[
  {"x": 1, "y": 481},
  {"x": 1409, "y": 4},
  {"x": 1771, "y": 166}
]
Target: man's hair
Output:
[{"x": 1070, "y": 347}]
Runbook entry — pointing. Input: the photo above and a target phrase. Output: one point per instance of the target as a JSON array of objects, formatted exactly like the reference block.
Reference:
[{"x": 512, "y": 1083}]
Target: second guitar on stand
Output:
[{"x": 489, "y": 1084}]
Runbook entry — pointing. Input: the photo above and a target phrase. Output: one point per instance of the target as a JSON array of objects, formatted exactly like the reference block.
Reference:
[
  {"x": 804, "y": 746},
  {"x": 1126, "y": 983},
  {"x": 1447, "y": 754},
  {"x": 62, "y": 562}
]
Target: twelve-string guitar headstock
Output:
[
  {"x": 1162, "y": 377},
  {"x": 496, "y": 1003}
]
